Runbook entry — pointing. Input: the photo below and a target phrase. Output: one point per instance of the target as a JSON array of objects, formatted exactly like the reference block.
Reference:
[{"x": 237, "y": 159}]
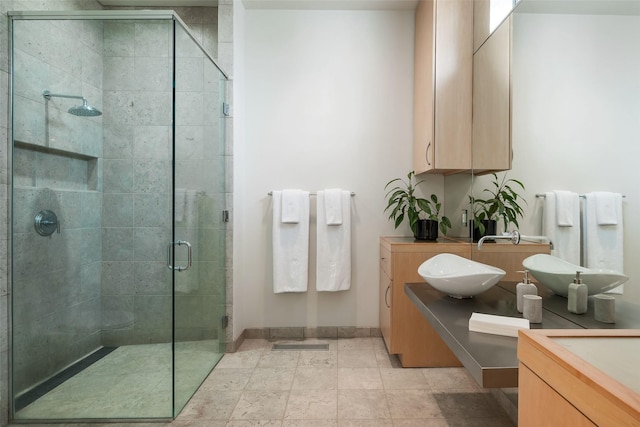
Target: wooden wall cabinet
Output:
[
  {"x": 443, "y": 86},
  {"x": 481, "y": 18},
  {"x": 492, "y": 149},
  {"x": 406, "y": 332}
]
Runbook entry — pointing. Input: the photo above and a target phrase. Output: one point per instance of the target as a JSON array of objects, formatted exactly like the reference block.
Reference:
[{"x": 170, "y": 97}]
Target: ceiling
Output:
[
  {"x": 580, "y": 7},
  {"x": 277, "y": 4},
  {"x": 332, "y": 4},
  {"x": 161, "y": 3}
]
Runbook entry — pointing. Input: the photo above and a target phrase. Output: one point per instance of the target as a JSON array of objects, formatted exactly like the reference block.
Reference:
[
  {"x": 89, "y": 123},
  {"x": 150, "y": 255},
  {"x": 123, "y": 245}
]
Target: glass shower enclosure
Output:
[{"x": 118, "y": 232}]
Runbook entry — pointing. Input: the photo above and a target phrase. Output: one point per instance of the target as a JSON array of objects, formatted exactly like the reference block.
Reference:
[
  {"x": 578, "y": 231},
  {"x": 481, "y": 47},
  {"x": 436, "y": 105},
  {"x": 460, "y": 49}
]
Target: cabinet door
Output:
[
  {"x": 442, "y": 86},
  {"x": 414, "y": 339},
  {"x": 453, "y": 85},
  {"x": 481, "y": 22},
  {"x": 540, "y": 405},
  {"x": 492, "y": 102},
  {"x": 423, "y": 87},
  {"x": 385, "y": 307}
]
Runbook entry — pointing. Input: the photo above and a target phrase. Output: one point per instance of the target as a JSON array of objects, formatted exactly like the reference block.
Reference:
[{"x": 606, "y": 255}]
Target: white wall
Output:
[
  {"x": 328, "y": 103},
  {"x": 576, "y": 115},
  {"x": 238, "y": 152}
]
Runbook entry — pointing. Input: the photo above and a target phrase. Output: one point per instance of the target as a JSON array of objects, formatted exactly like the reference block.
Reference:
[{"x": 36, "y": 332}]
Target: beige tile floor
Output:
[{"x": 354, "y": 383}]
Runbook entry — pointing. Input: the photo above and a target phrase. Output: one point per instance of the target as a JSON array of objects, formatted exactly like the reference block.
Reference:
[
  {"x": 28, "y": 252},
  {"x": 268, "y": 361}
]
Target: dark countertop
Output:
[{"x": 492, "y": 359}]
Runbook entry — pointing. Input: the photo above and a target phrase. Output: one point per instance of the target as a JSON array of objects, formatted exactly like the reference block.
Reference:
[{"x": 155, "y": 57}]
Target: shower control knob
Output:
[{"x": 46, "y": 223}]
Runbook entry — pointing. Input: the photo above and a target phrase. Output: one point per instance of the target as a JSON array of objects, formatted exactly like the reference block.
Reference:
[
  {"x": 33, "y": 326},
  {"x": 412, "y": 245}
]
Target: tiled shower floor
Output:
[
  {"x": 133, "y": 381},
  {"x": 354, "y": 383}
]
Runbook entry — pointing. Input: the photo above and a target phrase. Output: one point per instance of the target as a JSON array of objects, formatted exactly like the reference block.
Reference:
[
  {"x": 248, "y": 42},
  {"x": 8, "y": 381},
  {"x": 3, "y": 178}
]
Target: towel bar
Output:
[
  {"x": 580, "y": 195},
  {"x": 312, "y": 193}
]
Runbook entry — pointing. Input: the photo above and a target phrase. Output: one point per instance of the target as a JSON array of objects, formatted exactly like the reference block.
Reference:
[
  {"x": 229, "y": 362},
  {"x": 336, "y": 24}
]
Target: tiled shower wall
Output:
[{"x": 56, "y": 167}]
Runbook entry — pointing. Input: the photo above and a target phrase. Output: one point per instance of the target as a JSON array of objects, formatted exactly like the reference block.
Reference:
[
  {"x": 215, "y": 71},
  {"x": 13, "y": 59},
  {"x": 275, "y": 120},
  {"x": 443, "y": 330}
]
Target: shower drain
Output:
[{"x": 300, "y": 346}]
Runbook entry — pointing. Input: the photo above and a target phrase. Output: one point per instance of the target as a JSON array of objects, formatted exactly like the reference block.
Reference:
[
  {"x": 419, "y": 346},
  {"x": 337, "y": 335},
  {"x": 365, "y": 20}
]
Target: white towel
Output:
[
  {"x": 603, "y": 244},
  {"x": 333, "y": 258},
  {"x": 293, "y": 205},
  {"x": 566, "y": 240},
  {"x": 333, "y": 206},
  {"x": 606, "y": 207},
  {"x": 566, "y": 207},
  {"x": 290, "y": 248},
  {"x": 497, "y": 325}
]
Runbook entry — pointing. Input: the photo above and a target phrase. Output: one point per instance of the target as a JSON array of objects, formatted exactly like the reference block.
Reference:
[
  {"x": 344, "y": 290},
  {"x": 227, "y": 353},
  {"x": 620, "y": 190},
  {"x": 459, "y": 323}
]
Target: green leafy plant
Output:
[
  {"x": 502, "y": 203},
  {"x": 402, "y": 202}
]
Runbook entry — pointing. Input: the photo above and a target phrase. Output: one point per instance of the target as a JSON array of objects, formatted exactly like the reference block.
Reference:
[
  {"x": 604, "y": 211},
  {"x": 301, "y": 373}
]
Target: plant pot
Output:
[
  {"x": 426, "y": 229},
  {"x": 490, "y": 228}
]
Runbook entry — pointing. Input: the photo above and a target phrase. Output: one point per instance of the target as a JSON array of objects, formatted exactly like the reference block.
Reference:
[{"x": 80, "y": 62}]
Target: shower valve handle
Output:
[{"x": 46, "y": 223}]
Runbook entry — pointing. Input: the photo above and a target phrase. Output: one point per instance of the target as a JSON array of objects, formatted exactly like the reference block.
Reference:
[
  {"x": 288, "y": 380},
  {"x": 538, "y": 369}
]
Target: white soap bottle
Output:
[
  {"x": 524, "y": 288},
  {"x": 577, "y": 296}
]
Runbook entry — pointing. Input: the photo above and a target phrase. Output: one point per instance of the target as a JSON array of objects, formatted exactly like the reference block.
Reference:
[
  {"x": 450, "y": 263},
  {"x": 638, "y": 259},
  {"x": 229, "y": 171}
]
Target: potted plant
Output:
[
  {"x": 423, "y": 214},
  {"x": 501, "y": 203}
]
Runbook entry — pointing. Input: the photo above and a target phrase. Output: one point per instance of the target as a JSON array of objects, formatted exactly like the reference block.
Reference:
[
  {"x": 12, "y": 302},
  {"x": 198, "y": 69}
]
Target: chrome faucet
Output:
[{"x": 515, "y": 238}]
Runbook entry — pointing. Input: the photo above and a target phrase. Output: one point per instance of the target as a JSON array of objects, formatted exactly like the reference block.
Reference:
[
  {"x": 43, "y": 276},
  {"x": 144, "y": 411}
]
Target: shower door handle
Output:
[{"x": 171, "y": 246}]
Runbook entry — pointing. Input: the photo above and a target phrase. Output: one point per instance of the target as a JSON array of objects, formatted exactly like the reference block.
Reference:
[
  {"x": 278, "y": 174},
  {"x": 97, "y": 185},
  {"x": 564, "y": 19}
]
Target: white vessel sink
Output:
[
  {"x": 556, "y": 274},
  {"x": 459, "y": 277}
]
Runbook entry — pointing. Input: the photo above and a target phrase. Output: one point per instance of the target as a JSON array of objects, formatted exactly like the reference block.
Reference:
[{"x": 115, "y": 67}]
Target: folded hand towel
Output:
[
  {"x": 566, "y": 240},
  {"x": 333, "y": 258},
  {"x": 333, "y": 206},
  {"x": 290, "y": 248},
  {"x": 603, "y": 244},
  {"x": 497, "y": 325},
  {"x": 606, "y": 213},
  {"x": 566, "y": 206},
  {"x": 292, "y": 206}
]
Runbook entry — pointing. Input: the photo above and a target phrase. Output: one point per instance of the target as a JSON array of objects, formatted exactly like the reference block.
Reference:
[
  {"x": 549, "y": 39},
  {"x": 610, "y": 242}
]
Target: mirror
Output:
[
  {"x": 576, "y": 108},
  {"x": 488, "y": 15}
]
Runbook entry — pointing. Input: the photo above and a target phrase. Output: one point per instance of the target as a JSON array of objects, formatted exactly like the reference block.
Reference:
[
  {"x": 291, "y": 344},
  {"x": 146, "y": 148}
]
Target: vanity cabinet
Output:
[
  {"x": 578, "y": 378},
  {"x": 443, "y": 86},
  {"x": 405, "y": 331}
]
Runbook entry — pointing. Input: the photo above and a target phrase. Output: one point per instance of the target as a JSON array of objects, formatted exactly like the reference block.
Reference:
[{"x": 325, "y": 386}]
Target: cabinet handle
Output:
[
  {"x": 386, "y": 301},
  {"x": 426, "y": 152}
]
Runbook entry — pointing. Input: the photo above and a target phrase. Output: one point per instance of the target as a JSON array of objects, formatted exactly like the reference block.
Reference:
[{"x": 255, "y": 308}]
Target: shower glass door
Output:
[
  {"x": 118, "y": 238},
  {"x": 199, "y": 228}
]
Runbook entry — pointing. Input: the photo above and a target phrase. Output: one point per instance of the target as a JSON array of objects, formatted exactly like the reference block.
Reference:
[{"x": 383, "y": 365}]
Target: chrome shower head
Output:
[{"x": 84, "y": 110}]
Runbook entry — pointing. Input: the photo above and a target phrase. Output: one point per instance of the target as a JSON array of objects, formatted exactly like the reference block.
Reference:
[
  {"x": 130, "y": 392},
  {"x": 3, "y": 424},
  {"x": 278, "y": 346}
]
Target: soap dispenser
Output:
[
  {"x": 524, "y": 288},
  {"x": 577, "y": 296}
]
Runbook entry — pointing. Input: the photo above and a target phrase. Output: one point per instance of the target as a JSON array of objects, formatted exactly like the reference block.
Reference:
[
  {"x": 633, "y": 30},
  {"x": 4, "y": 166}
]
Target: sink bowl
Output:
[
  {"x": 459, "y": 277},
  {"x": 556, "y": 274}
]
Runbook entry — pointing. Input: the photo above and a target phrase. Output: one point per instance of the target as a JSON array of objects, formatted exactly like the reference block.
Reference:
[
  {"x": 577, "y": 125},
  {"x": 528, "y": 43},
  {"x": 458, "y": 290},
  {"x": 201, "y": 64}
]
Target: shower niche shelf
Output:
[{"x": 40, "y": 166}]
